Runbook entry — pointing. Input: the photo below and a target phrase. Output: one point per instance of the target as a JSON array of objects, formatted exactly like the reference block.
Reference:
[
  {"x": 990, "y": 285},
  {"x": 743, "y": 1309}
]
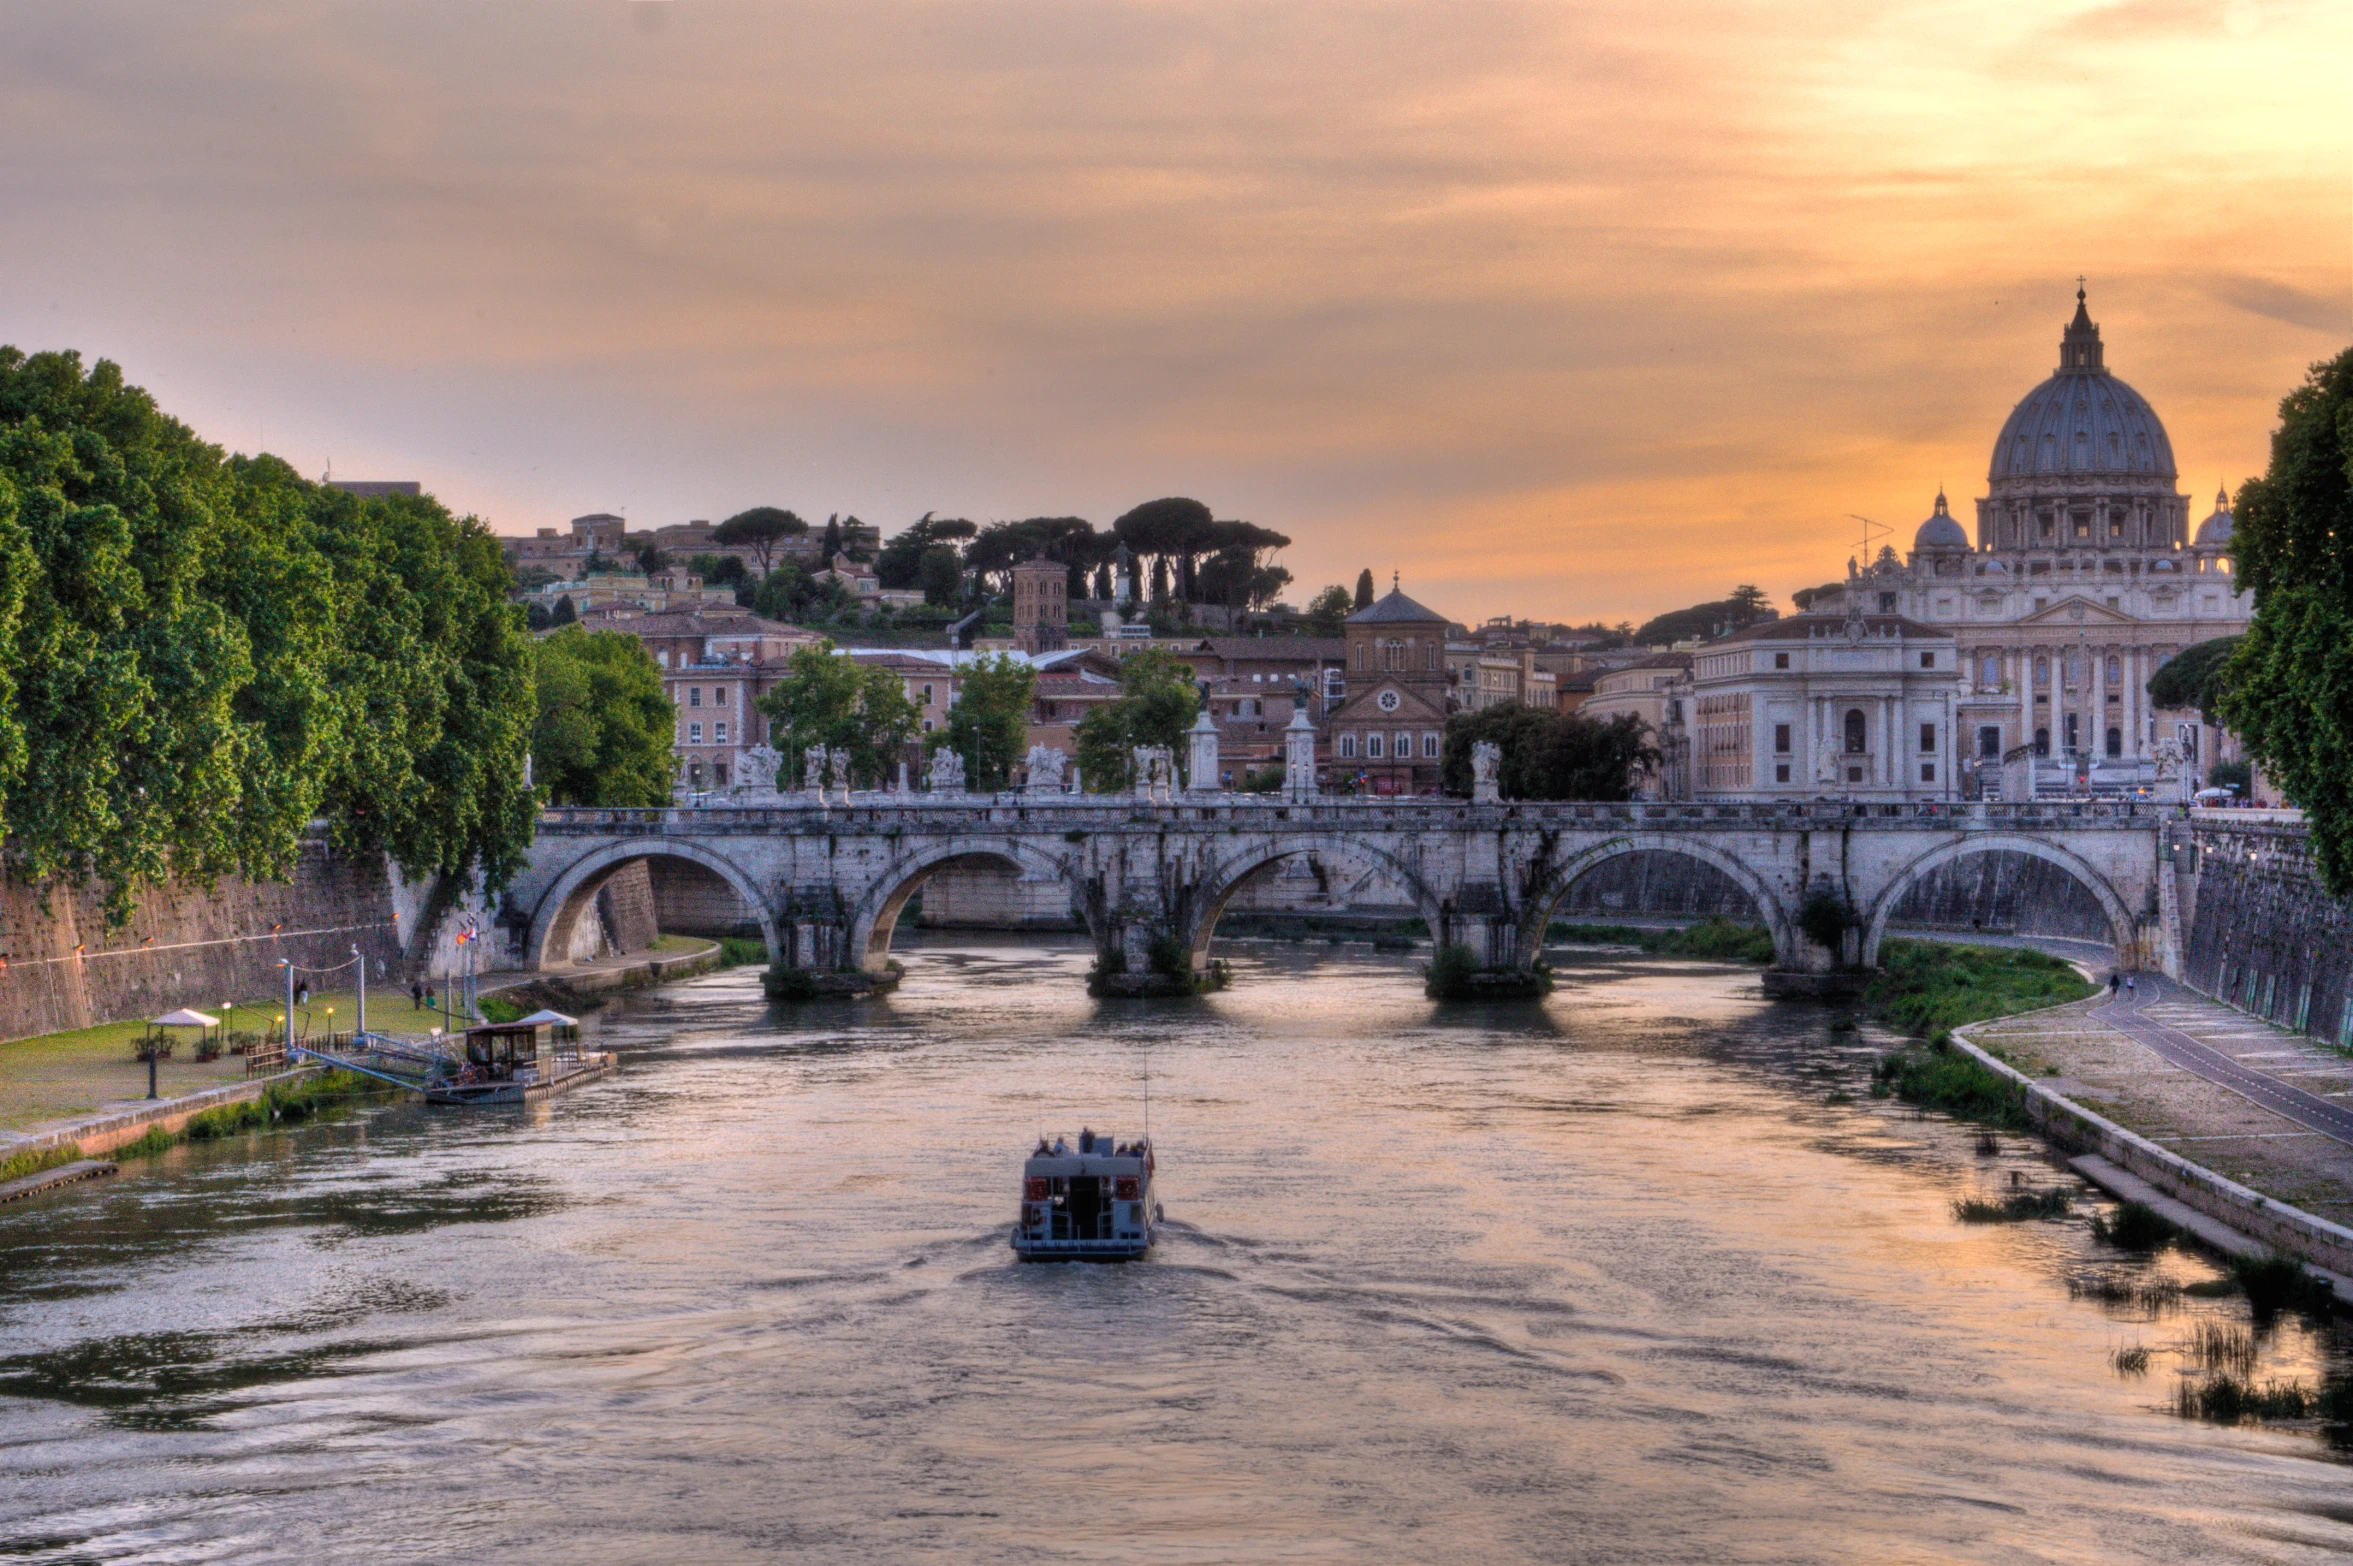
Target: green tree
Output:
[
  {"x": 2288, "y": 690},
  {"x": 830, "y": 700},
  {"x": 831, "y": 545},
  {"x": 1327, "y": 610},
  {"x": 1547, "y": 755},
  {"x": 760, "y": 530},
  {"x": 1364, "y": 588},
  {"x": 989, "y": 725},
  {"x": 941, "y": 576},
  {"x": 603, "y": 736},
  {"x": 1157, "y": 702},
  {"x": 2194, "y": 677},
  {"x": 789, "y": 593},
  {"x": 1172, "y": 531},
  {"x": 564, "y": 613},
  {"x": 210, "y": 652},
  {"x": 900, "y": 563}
]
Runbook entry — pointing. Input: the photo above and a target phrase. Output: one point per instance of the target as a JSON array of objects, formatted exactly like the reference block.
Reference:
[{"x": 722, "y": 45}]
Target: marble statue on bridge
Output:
[
  {"x": 755, "y": 771},
  {"x": 1486, "y": 765},
  {"x": 1047, "y": 767},
  {"x": 945, "y": 775}
]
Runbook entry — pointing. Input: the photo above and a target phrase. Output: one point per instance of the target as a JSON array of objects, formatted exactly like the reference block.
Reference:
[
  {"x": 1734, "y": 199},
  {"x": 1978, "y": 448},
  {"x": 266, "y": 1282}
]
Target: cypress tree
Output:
[{"x": 1364, "y": 588}]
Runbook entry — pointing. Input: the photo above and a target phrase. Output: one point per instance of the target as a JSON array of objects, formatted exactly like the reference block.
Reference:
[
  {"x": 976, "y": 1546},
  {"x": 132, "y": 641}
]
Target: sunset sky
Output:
[{"x": 1559, "y": 310}]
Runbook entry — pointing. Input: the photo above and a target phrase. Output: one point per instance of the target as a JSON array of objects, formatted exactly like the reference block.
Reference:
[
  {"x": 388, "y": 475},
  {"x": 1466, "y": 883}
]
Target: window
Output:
[
  {"x": 2042, "y": 670},
  {"x": 1430, "y": 656},
  {"x": 1348, "y": 746},
  {"x": 1854, "y": 731},
  {"x": 1989, "y": 672},
  {"x": 2042, "y": 742},
  {"x": 1360, "y": 655},
  {"x": 663, "y": 657},
  {"x": 1375, "y": 744},
  {"x": 2115, "y": 743},
  {"x": 2115, "y": 671},
  {"x": 1928, "y": 772},
  {"x": 927, "y": 725},
  {"x": 1989, "y": 742},
  {"x": 1927, "y": 739},
  {"x": 694, "y": 696},
  {"x": 719, "y": 775},
  {"x": 1887, "y": 603},
  {"x": 1430, "y": 744},
  {"x": 718, "y": 695},
  {"x": 1781, "y": 660},
  {"x": 1781, "y": 773},
  {"x": 694, "y": 734},
  {"x": 926, "y": 700},
  {"x": 1781, "y": 739},
  {"x": 718, "y": 733},
  {"x": 2074, "y": 736},
  {"x": 694, "y": 774},
  {"x": 1404, "y": 748},
  {"x": 1928, "y": 660}
]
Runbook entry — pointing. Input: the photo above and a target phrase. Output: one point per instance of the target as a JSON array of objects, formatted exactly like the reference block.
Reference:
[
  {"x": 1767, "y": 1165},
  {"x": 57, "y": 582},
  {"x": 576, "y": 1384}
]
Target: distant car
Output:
[{"x": 2213, "y": 796}]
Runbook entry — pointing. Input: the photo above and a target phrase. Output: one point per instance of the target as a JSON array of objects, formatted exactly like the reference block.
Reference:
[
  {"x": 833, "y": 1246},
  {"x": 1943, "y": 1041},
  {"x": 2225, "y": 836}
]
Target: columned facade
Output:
[{"x": 2085, "y": 577}]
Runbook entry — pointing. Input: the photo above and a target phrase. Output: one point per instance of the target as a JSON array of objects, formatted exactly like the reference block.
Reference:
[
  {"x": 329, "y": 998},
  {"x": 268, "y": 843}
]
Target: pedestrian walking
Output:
[
  {"x": 2115, "y": 982},
  {"x": 2132, "y": 987}
]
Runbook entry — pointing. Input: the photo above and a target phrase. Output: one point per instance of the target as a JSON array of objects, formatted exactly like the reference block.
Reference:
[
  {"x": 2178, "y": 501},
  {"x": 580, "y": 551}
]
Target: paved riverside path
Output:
[{"x": 2192, "y": 1031}]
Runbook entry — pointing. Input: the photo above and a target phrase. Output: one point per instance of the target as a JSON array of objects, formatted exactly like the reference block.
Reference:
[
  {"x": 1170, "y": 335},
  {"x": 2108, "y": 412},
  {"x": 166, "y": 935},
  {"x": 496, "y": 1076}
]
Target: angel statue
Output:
[
  {"x": 1486, "y": 764},
  {"x": 946, "y": 774},
  {"x": 1046, "y": 766}
]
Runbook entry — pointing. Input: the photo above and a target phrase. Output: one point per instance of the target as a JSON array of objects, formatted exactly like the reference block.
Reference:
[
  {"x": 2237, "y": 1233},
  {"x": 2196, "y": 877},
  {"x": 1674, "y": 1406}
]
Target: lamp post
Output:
[
  {"x": 289, "y": 967},
  {"x": 360, "y": 1022}
]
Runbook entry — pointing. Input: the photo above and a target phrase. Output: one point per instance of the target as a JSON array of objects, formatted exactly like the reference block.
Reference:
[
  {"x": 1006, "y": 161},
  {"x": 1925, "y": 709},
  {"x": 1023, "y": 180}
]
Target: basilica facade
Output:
[{"x": 2084, "y": 577}]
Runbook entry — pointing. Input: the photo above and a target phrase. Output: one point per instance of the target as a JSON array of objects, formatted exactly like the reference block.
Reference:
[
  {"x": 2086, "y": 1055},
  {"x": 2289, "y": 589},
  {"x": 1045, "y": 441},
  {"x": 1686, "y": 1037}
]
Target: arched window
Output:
[
  {"x": 1373, "y": 743},
  {"x": 1854, "y": 731},
  {"x": 2074, "y": 670},
  {"x": 1348, "y": 746},
  {"x": 1430, "y": 656},
  {"x": 2042, "y": 742},
  {"x": 2115, "y": 743},
  {"x": 2115, "y": 672},
  {"x": 1360, "y": 656},
  {"x": 2042, "y": 671}
]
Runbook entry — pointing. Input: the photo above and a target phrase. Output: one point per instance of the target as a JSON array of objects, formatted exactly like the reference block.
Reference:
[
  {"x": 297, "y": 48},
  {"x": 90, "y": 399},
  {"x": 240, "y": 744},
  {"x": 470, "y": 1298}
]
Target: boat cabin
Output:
[
  {"x": 496, "y": 1051},
  {"x": 1092, "y": 1200}
]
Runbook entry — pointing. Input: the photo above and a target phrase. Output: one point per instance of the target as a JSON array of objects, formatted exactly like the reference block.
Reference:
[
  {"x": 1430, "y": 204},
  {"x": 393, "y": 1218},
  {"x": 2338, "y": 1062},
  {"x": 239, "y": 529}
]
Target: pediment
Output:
[
  {"x": 2075, "y": 609},
  {"x": 1365, "y": 707}
]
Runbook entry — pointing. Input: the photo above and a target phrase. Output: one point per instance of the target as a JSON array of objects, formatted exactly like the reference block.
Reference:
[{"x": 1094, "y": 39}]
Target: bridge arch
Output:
[
  {"x": 1554, "y": 887},
  {"x": 1219, "y": 884},
  {"x": 552, "y": 922},
  {"x": 2123, "y": 928},
  {"x": 875, "y": 916}
]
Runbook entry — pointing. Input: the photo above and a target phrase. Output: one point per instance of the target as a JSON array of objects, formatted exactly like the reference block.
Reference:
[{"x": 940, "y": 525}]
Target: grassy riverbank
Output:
[
  {"x": 1721, "y": 940},
  {"x": 1929, "y": 988}
]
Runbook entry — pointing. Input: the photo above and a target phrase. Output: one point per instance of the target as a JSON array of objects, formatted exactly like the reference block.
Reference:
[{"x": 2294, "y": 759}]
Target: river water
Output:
[{"x": 1606, "y": 1280}]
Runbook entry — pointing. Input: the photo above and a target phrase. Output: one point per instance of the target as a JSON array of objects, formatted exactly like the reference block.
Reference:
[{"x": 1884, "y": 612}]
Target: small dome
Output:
[
  {"x": 1940, "y": 531},
  {"x": 2215, "y": 531},
  {"x": 2163, "y": 565}
]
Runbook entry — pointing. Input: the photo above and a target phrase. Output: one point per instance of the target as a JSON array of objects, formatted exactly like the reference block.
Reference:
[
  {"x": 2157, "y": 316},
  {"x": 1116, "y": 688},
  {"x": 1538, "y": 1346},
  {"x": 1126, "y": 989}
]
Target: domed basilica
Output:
[{"x": 2083, "y": 579}]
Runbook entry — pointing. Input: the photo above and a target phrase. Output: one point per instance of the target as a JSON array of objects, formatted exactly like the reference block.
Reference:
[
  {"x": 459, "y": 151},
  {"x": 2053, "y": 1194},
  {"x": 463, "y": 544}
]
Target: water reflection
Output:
[{"x": 1604, "y": 1280}]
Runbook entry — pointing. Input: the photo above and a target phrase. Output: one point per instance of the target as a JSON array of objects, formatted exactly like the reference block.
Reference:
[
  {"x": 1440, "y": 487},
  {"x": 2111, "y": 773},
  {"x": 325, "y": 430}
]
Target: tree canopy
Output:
[
  {"x": 760, "y": 530},
  {"x": 2194, "y": 677},
  {"x": 605, "y": 725},
  {"x": 1327, "y": 610},
  {"x": 827, "y": 699},
  {"x": 200, "y": 654},
  {"x": 1548, "y": 755},
  {"x": 2288, "y": 689},
  {"x": 989, "y": 725},
  {"x": 899, "y": 564},
  {"x": 1737, "y": 611},
  {"x": 1364, "y": 588},
  {"x": 1156, "y": 704}
]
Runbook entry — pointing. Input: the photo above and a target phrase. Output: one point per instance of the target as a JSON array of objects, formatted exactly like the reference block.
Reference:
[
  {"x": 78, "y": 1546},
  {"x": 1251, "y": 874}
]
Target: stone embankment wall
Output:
[
  {"x": 187, "y": 945},
  {"x": 2263, "y": 934}
]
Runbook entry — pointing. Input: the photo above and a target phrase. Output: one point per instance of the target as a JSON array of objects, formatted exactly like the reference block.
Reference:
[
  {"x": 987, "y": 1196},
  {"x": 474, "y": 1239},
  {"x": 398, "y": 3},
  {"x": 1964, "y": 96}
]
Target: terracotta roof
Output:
[{"x": 1278, "y": 649}]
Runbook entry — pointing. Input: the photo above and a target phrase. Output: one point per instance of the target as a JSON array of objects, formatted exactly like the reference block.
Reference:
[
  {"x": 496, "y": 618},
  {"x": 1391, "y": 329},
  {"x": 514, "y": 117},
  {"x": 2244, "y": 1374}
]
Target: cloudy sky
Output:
[{"x": 1564, "y": 310}]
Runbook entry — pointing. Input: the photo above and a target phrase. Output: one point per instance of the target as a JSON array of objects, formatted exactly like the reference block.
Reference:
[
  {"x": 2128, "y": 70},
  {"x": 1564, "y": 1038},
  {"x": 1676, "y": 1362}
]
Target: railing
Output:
[{"x": 1110, "y": 812}]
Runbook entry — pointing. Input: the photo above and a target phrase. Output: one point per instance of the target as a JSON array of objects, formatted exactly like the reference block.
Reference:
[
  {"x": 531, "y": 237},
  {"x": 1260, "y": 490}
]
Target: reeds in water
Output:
[
  {"x": 2018, "y": 1207},
  {"x": 2154, "y": 1295}
]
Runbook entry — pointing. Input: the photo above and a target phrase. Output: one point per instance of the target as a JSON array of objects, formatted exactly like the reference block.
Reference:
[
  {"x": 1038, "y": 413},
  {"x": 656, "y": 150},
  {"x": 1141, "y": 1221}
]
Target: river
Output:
[{"x": 1606, "y": 1280}]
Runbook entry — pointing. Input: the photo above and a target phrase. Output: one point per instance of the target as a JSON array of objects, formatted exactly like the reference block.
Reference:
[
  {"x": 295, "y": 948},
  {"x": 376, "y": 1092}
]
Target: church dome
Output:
[
  {"x": 2082, "y": 423},
  {"x": 2215, "y": 531},
  {"x": 1940, "y": 531}
]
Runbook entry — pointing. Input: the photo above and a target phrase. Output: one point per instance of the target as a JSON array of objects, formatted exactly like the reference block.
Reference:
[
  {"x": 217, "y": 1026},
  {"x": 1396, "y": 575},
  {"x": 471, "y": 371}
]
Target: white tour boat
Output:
[{"x": 1091, "y": 1202}]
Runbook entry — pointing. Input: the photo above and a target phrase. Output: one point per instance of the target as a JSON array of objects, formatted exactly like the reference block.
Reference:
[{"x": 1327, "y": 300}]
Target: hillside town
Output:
[{"x": 2015, "y": 663}]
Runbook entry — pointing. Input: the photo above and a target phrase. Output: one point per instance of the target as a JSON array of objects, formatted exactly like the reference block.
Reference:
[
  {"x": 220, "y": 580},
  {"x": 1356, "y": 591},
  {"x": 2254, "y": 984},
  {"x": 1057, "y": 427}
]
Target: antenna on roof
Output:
[{"x": 1872, "y": 533}]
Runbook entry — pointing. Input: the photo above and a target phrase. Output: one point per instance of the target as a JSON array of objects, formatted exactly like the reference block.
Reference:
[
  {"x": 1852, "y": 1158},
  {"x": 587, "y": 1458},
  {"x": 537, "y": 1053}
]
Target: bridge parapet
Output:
[{"x": 826, "y": 883}]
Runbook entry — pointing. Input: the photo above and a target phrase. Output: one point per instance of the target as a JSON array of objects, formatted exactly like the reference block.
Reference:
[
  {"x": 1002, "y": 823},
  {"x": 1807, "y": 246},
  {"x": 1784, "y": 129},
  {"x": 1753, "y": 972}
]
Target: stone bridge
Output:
[{"x": 825, "y": 884}]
